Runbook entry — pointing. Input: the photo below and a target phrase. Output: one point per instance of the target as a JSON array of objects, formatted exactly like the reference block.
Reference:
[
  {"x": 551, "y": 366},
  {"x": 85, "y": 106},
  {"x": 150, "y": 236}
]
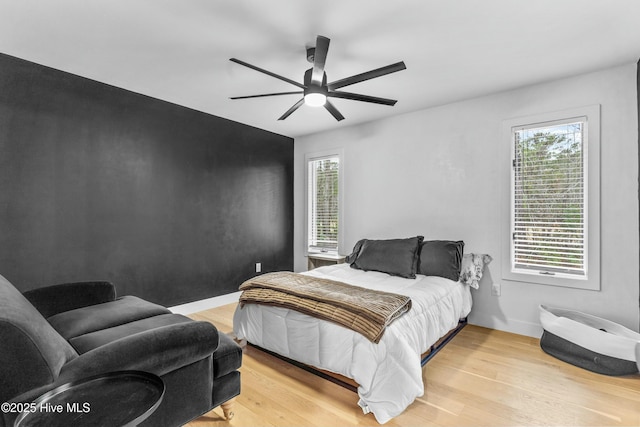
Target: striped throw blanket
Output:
[{"x": 363, "y": 310}]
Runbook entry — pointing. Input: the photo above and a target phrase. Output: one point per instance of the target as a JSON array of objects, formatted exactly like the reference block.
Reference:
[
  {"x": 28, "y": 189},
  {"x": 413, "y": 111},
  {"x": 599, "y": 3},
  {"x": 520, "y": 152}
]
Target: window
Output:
[
  {"x": 549, "y": 215},
  {"x": 324, "y": 196},
  {"x": 554, "y": 200}
]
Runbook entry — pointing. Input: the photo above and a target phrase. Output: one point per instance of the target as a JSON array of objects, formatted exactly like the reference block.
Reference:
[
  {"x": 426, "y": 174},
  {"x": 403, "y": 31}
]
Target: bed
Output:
[{"x": 388, "y": 373}]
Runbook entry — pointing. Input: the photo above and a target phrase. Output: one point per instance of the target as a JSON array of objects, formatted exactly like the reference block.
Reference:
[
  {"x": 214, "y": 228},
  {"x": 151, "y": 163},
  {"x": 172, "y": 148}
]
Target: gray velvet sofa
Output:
[{"x": 58, "y": 334}]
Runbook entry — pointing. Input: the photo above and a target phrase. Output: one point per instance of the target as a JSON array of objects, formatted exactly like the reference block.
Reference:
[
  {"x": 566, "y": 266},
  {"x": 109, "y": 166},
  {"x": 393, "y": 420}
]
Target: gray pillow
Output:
[
  {"x": 441, "y": 258},
  {"x": 398, "y": 257}
]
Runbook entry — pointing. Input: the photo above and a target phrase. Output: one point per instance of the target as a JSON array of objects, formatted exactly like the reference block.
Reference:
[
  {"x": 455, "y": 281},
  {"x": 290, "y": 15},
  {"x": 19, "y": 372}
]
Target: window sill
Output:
[
  {"x": 562, "y": 280},
  {"x": 329, "y": 256}
]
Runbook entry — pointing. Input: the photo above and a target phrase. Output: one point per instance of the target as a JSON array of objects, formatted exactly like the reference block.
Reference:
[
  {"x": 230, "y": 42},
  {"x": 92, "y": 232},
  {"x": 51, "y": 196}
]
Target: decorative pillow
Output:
[
  {"x": 441, "y": 258},
  {"x": 398, "y": 257},
  {"x": 473, "y": 268},
  {"x": 349, "y": 259}
]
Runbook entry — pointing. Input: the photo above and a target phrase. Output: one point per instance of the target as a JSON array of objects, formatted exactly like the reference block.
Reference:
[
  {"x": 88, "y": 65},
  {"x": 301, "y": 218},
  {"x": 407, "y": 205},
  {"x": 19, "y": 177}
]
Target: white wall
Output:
[{"x": 437, "y": 173}]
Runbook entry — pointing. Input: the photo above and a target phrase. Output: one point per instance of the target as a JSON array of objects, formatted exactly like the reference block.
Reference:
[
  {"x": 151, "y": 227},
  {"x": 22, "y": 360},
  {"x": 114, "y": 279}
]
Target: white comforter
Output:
[{"x": 389, "y": 373}]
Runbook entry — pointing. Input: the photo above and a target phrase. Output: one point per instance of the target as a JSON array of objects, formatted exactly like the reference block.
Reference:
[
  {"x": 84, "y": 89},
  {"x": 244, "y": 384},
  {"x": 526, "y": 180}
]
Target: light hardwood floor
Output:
[{"x": 482, "y": 377}]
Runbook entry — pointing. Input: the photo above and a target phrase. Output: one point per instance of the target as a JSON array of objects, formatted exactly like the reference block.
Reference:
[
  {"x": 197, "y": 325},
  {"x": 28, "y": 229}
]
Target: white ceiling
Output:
[{"x": 179, "y": 50}]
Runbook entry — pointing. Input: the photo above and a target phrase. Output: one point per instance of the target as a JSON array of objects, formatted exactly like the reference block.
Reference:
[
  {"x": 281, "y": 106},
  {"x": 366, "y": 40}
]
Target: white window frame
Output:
[
  {"x": 309, "y": 157},
  {"x": 591, "y": 153}
]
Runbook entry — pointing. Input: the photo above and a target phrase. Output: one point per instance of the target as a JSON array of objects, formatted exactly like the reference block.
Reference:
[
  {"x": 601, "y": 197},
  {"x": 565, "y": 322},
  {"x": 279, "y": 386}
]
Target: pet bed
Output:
[{"x": 588, "y": 341}]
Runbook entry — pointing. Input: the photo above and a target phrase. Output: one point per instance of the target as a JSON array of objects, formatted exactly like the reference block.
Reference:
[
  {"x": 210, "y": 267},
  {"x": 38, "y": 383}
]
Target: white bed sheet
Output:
[{"x": 389, "y": 373}]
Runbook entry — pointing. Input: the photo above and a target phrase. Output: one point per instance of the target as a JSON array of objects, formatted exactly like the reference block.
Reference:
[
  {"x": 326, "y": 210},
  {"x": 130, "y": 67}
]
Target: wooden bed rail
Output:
[{"x": 442, "y": 342}]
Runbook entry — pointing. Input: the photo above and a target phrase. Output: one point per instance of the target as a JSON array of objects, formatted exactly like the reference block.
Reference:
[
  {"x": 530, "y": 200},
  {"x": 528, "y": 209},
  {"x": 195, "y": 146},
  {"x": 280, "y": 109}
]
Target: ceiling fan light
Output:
[{"x": 315, "y": 99}]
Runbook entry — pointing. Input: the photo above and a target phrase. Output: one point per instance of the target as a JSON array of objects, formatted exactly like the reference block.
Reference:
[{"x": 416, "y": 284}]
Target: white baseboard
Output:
[
  {"x": 508, "y": 325},
  {"x": 205, "y": 304}
]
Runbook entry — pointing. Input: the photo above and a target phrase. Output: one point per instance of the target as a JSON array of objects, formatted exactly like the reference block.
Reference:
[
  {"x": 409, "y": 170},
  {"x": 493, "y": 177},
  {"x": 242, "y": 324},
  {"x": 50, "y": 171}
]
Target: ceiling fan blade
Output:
[
  {"x": 292, "y": 109},
  {"x": 364, "y": 98},
  {"x": 269, "y": 73},
  {"x": 378, "y": 72},
  {"x": 266, "y": 94},
  {"x": 333, "y": 110},
  {"x": 319, "y": 59}
]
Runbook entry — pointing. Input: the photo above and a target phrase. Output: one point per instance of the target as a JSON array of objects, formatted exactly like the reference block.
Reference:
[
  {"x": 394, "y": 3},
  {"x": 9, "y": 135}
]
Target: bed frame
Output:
[
  {"x": 442, "y": 342},
  {"x": 350, "y": 384}
]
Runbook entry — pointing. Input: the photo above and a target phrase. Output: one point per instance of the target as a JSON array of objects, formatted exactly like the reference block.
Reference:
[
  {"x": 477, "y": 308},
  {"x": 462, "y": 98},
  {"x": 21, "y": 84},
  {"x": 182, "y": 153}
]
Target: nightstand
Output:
[{"x": 320, "y": 259}]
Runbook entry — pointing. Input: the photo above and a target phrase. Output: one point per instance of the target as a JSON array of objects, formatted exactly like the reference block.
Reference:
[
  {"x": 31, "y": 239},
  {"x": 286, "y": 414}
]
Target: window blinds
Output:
[
  {"x": 549, "y": 198},
  {"x": 323, "y": 203}
]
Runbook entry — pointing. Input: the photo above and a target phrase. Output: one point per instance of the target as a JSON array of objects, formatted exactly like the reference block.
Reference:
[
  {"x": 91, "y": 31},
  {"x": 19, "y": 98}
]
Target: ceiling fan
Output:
[{"x": 316, "y": 90}]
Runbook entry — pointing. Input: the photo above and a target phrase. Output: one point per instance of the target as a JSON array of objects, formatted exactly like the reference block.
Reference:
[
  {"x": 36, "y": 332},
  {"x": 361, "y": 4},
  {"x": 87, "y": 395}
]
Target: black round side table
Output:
[{"x": 122, "y": 398}]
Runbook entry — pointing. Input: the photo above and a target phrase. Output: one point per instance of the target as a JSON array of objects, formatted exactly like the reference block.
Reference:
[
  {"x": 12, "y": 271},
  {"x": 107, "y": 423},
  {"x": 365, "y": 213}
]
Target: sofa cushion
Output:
[
  {"x": 86, "y": 342},
  {"x": 227, "y": 357},
  {"x": 27, "y": 341},
  {"x": 74, "y": 323},
  {"x": 54, "y": 299}
]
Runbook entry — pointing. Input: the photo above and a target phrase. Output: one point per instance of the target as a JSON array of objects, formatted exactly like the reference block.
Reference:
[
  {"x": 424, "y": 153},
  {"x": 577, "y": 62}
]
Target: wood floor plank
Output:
[{"x": 482, "y": 377}]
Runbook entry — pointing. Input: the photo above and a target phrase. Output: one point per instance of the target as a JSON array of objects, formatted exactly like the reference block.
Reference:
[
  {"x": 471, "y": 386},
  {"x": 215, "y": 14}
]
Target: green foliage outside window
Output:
[
  {"x": 549, "y": 199},
  {"x": 325, "y": 220}
]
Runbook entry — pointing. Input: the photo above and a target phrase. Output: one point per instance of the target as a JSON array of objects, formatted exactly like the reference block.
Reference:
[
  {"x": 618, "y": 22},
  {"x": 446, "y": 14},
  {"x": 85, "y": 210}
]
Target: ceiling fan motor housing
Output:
[{"x": 308, "y": 82}]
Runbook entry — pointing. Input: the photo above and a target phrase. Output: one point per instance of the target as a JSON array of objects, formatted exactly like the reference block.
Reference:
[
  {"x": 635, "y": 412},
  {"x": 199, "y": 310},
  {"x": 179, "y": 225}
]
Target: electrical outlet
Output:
[
  {"x": 258, "y": 267},
  {"x": 496, "y": 289}
]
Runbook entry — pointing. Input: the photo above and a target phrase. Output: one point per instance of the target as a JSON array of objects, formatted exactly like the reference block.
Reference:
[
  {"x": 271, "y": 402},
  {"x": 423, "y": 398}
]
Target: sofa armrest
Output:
[
  {"x": 55, "y": 299},
  {"x": 158, "y": 351}
]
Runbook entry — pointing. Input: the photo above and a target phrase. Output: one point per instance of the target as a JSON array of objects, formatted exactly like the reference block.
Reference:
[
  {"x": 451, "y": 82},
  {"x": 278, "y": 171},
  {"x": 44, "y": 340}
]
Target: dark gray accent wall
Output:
[{"x": 170, "y": 204}]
